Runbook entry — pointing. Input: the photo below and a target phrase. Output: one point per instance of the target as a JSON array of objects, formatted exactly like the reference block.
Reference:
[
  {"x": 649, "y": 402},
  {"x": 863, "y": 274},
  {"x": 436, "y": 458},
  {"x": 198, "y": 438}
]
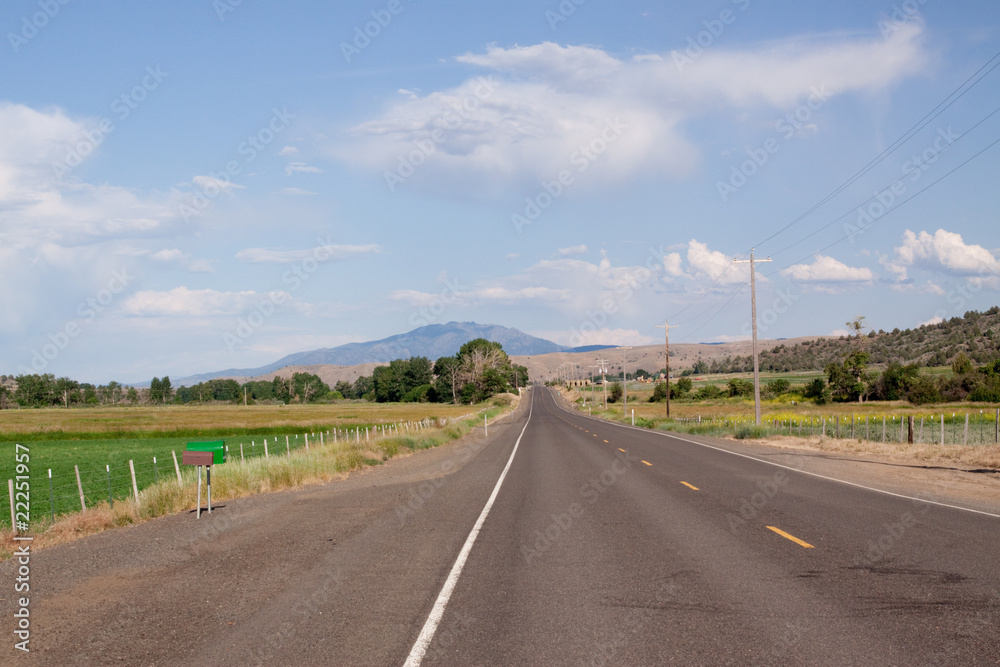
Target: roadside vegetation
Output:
[{"x": 236, "y": 478}]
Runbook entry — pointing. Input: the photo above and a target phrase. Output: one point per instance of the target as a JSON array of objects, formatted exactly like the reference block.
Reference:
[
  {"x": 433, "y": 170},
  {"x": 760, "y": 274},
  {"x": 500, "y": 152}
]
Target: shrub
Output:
[{"x": 615, "y": 392}]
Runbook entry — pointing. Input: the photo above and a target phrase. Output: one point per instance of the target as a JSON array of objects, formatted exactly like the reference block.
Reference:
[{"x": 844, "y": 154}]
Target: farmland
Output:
[{"x": 102, "y": 441}]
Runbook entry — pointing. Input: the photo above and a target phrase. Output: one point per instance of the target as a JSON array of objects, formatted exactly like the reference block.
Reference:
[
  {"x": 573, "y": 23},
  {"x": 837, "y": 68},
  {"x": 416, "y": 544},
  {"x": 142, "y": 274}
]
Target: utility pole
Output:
[
  {"x": 624, "y": 379},
  {"x": 666, "y": 348},
  {"x": 753, "y": 315},
  {"x": 604, "y": 382}
]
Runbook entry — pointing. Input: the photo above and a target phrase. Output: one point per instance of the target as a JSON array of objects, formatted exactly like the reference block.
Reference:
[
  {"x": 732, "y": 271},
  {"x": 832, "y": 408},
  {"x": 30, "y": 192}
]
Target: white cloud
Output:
[
  {"x": 715, "y": 266},
  {"x": 301, "y": 168},
  {"x": 184, "y": 302},
  {"x": 934, "y": 320},
  {"x": 297, "y": 192},
  {"x": 319, "y": 253},
  {"x": 942, "y": 252},
  {"x": 211, "y": 183},
  {"x": 828, "y": 271},
  {"x": 572, "y": 250},
  {"x": 548, "y": 100},
  {"x": 288, "y": 150},
  {"x": 672, "y": 264}
]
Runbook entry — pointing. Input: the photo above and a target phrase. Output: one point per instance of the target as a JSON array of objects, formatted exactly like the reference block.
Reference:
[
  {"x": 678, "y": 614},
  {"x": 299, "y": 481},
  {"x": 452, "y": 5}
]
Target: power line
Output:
[
  {"x": 888, "y": 187},
  {"x": 897, "y": 207},
  {"x": 923, "y": 122}
]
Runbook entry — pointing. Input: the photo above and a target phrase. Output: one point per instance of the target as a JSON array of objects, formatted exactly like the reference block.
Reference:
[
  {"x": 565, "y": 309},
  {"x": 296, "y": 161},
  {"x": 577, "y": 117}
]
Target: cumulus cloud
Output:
[
  {"x": 542, "y": 103},
  {"x": 828, "y": 274},
  {"x": 942, "y": 252}
]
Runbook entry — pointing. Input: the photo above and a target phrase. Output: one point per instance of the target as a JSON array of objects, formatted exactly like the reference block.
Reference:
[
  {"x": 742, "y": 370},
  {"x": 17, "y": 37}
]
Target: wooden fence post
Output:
[
  {"x": 135, "y": 487},
  {"x": 909, "y": 429},
  {"x": 965, "y": 433},
  {"x": 79, "y": 486},
  {"x": 180, "y": 482}
]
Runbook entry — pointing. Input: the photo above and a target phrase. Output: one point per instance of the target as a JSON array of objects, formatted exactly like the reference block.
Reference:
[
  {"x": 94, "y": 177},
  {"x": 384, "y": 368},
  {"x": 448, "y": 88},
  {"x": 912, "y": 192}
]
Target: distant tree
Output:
[
  {"x": 684, "y": 386},
  {"x": 961, "y": 365},
  {"x": 155, "y": 390},
  {"x": 615, "y": 392},
  {"x": 740, "y": 387}
]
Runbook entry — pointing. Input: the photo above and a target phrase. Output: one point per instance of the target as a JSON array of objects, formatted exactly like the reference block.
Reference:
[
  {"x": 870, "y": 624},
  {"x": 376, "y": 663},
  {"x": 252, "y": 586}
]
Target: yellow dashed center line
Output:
[
  {"x": 607, "y": 441},
  {"x": 647, "y": 463},
  {"x": 620, "y": 449},
  {"x": 690, "y": 486},
  {"x": 791, "y": 537}
]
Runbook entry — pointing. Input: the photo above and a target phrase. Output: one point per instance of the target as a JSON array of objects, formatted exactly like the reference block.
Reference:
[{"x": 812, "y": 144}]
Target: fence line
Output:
[
  {"x": 982, "y": 428},
  {"x": 57, "y": 494}
]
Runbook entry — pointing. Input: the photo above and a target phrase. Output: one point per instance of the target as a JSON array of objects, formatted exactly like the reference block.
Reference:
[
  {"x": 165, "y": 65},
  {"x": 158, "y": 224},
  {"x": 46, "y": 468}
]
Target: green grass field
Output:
[{"x": 101, "y": 441}]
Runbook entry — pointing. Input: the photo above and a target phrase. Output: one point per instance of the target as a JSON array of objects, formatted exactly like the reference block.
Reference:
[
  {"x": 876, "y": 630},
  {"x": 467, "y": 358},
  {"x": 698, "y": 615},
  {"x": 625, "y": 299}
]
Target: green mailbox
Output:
[{"x": 217, "y": 447}]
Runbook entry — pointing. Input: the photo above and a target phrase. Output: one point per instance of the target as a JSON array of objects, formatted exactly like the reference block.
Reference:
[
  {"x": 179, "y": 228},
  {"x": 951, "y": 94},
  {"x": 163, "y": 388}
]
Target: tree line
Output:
[{"x": 478, "y": 371}]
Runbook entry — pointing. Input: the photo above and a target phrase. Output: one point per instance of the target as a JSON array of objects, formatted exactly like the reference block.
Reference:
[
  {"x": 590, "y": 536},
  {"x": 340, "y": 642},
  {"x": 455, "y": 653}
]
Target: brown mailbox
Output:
[
  {"x": 201, "y": 459},
  {"x": 197, "y": 458}
]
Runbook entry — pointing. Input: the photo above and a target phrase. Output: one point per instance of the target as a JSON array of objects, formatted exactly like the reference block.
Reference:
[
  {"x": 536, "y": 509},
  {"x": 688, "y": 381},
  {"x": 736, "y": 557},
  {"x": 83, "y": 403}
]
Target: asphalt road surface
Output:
[{"x": 602, "y": 545}]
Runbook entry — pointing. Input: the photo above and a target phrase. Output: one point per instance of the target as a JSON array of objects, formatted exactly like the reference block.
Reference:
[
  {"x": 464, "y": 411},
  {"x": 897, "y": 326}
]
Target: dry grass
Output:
[
  {"x": 971, "y": 456},
  {"x": 239, "y": 478},
  {"x": 235, "y": 418}
]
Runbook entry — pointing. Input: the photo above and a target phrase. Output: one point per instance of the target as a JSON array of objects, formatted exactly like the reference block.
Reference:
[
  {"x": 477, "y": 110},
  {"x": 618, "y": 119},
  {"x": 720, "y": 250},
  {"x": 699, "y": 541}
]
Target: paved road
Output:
[
  {"x": 610, "y": 545},
  {"x": 604, "y": 545}
]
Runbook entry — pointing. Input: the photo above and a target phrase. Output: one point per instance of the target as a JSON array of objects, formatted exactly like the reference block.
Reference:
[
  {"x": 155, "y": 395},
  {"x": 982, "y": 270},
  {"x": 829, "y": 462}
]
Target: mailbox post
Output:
[{"x": 201, "y": 459}]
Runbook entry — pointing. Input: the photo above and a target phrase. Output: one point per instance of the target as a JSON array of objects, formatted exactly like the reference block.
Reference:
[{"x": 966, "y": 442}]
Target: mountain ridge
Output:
[{"x": 433, "y": 341}]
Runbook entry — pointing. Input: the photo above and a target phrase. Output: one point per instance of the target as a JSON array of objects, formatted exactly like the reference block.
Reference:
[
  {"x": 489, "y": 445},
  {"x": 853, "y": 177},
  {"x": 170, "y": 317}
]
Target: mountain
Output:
[{"x": 432, "y": 341}]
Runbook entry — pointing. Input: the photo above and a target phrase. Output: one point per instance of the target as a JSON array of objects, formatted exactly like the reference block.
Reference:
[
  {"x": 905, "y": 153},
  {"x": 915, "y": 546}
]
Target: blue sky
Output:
[{"x": 192, "y": 186}]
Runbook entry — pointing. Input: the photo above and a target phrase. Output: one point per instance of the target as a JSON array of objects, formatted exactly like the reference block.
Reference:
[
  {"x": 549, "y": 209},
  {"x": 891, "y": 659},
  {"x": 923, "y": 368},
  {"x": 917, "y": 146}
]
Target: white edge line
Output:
[
  {"x": 804, "y": 472},
  {"x": 423, "y": 642}
]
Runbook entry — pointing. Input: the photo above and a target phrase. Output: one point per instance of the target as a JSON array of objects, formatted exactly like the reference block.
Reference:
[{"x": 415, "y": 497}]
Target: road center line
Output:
[
  {"x": 690, "y": 486},
  {"x": 423, "y": 642},
  {"x": 791, "y": 537},
  {"x": 803, "y": 472},
  {"x": 647, "y": 463}
]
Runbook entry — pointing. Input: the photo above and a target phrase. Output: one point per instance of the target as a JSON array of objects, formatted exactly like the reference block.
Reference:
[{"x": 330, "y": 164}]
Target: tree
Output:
[
  {"x": 155, "y": 390},
  {"x": 446, "y": 385},
  {"x": 684, "y": 387},
  {"x": 857, "y": 325},
  {"x": 615, "y": 392},
  {"x": 132, "y": 395},
  {"x": 740, "y": 387},
  {"x": 168, "y": 391},
  {"x": 961, "y": 365},
  {"x": 849, "y": 380}
]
